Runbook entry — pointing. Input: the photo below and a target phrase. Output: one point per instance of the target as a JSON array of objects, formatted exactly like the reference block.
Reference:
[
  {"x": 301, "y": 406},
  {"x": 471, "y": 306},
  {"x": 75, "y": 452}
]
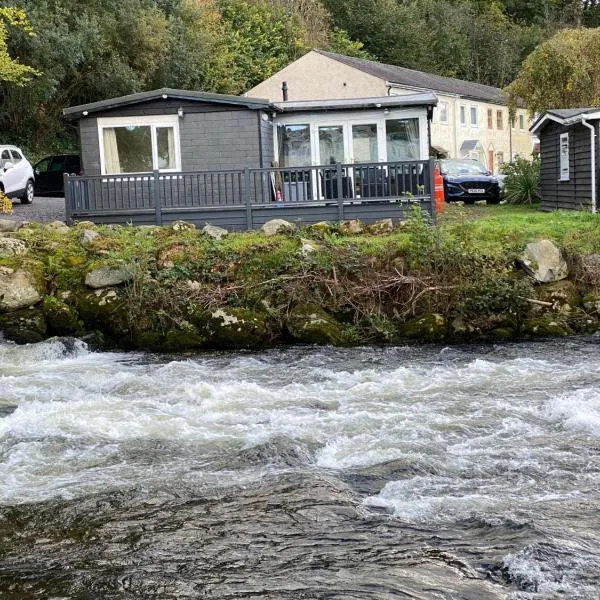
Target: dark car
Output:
[
  {"x": 49, "y": 173},
  {"x": 468, "y": 180}
]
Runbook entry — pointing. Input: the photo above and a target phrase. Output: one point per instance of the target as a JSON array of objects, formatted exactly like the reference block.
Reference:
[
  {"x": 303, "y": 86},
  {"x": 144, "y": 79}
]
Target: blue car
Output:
[{"x": 468, "y": 180}]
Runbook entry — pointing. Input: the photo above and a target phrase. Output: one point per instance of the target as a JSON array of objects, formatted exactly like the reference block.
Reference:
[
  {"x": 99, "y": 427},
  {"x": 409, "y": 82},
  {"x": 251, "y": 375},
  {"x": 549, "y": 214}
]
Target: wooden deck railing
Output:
[{"x": 246, "y": 198}]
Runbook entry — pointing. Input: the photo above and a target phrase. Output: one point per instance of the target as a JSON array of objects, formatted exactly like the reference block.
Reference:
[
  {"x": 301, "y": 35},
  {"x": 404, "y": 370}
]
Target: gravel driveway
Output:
[{"x": 41, "y": 209}]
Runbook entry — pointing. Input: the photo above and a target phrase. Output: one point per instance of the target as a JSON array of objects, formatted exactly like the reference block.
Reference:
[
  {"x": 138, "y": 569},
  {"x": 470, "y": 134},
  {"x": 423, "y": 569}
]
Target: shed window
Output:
[
  {"x": 138, "y": 146},
  {"x": 564, "y": 157}
]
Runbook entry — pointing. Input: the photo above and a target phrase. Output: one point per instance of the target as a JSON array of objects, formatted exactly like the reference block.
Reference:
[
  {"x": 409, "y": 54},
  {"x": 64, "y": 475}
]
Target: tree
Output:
[
  {"x": 11, "y": 70},
  {"x": 562, "y": 72}
]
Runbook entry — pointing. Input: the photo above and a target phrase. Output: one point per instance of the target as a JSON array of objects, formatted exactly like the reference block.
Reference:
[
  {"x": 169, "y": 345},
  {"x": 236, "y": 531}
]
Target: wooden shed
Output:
[{"x": 569, "y": 158}]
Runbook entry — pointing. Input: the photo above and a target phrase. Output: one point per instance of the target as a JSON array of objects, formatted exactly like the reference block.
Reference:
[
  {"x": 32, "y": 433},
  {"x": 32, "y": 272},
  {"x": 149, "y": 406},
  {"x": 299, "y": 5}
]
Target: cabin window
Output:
[
  {"x": 294, "y": 145},
  {"x": 364, "y": 143},
  {"x": 402, "y": 139},
  {"x": 564, "y": 157},
  {"x": 139, "y": 145}
]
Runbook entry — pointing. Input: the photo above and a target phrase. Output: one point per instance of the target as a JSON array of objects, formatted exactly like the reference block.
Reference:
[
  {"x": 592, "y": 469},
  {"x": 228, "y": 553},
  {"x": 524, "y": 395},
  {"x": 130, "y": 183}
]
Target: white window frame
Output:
[
  {"x": 564, "y": 157},
  {"x": 154, "y": 122},
  {"x": 462, "y": 115},
  {"x": 476, "y": 109},
  {"x": 445, "y": 106}
]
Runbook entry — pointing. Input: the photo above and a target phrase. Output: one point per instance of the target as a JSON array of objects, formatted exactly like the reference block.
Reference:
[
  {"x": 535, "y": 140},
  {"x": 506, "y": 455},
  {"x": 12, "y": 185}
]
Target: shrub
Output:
[
  {"x": 522, "y": 183},
  {"x": 6, "y": 206}
]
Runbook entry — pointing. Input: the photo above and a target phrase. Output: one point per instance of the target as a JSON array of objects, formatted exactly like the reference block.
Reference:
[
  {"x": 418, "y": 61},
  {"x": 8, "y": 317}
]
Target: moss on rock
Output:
[
  {"x": 309, "y": 323},
  {"x": 546, "y": 326},
  {"x": 104, "y": 309},
  {"x": 61, "y": 318},
  {"x": 231, "y": 327},
  {"x": 429, "y": 328}
]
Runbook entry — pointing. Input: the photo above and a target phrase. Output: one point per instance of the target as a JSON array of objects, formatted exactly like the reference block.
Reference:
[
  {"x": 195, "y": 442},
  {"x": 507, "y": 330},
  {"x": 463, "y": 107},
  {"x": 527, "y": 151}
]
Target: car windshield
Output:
[{"x": 462, "y": 167}]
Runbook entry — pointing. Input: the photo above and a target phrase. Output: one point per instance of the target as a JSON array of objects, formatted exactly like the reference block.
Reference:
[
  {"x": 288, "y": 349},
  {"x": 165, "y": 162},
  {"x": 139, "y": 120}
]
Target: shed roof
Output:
[
  {"x": 424, "y": 99},
  {"x": 394, "y": 74},
  {"x": 166, "y": 93},
  {"x": 565, "y": 116}
]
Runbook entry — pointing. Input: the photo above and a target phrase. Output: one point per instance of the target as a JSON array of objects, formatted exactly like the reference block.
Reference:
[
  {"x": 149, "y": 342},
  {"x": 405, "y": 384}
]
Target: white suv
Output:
[{"x": 16, "y": 174}]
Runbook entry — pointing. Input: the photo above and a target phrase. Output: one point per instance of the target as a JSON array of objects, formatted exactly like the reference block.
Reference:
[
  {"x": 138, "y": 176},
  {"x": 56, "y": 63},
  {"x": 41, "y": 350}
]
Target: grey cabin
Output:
[
  {"x": 569, "y": 158},
  {"x": 233, "y": 161}
]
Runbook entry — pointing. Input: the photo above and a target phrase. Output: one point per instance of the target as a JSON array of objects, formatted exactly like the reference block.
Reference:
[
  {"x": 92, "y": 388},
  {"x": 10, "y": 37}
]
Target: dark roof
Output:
[
  {"x": 565, "y": 116},
  {"x": 424, "y": 81},
  {"x": 569, "y": 113},
  {"x": 424, "y": 99},
  {"x": 251, "y": 103}
]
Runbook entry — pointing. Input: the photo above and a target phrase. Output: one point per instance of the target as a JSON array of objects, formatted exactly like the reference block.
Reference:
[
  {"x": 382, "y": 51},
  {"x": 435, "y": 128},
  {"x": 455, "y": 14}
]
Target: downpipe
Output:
[{"x": 593, "y": 160}]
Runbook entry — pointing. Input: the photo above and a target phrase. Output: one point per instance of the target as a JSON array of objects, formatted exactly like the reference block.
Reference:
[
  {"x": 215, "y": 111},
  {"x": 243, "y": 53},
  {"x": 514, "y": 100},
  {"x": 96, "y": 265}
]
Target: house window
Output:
[
  {"x": 463, "y": 116},
  {"x": 294, "y": 145},
  {"x": 564, "y": 157},
  {"x": 490, "y": 118},
  {"x": 443, "y": 112},
  {"x": 499, "y": 119},
  {"x": 402, "y": 139},
  {"x": 521, "y": 122},
  {"x": 473, "y": 116},
  {"x": 500, "y": 158},
  {"x": 364, "y": 143},
  {"x": 139, "y": 145}
]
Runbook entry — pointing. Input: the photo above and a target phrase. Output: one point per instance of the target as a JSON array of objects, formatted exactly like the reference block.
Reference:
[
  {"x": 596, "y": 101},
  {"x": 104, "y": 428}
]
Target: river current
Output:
[{"x": 467, "y": 472}]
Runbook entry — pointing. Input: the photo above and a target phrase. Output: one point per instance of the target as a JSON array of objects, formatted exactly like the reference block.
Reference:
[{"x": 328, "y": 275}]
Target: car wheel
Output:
[{"x": 28, "y": 194}]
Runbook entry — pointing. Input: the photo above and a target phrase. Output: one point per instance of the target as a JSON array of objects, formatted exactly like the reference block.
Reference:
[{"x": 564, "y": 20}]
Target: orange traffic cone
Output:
[{"x": 440, "y": 203}]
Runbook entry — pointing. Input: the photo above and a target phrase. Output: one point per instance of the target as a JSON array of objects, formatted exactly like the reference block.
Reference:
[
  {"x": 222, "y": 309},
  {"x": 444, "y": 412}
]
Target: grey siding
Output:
[
  {"x": 212, "y": 137},
  {"x": 575, "y": 194},
  {"x": 89, "y": 146}
]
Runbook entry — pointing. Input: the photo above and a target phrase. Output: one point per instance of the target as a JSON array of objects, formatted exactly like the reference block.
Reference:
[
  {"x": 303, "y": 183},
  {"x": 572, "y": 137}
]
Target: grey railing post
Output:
[
  {"x": 432, "y": 190},
  {"x": 248, "y": 198},
  {"x": 340, "y": 190},
  {"x": 68, "y": 196},
  {"x": 156, "y": 197}
]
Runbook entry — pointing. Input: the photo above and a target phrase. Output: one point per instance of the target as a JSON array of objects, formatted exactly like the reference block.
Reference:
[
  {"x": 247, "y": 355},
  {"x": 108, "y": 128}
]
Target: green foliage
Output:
[{"x": 522, "y": 184}]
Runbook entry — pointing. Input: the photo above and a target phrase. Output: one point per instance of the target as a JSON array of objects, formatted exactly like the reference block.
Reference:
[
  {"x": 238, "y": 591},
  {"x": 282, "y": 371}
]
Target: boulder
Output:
[
  {"x": 231, "y": 327},
  {"x": 544, "y": 262},
  {"x": 277, "y": 227},
  {"x": 18, "y": 289},
  {"x": 26, "y": 326},
  {"x": 61, "y": 318},
  {"x": 58, "y": 227},
  {"x": 103, "y": 309},
  {"x": 546, "y": 326},
  {"x": 352, "y": 227},
  {"x": 9, "y": 225},
  {"x": 11, "y": 247},
  {"x": 179, "y": 226},
  {"x": 563, "y": 295},
  {"x": 104, "y": 277},
  {"x": 309, "y": 323},
  {"x": 429, "y": 328},
  {"x": 88, "y": 236},
  {"x": 322, "y": 227},
  {"x": 381, "y": 227},
  {"x": 308, "y": 247},
  {"x": 214, "y": 232}
]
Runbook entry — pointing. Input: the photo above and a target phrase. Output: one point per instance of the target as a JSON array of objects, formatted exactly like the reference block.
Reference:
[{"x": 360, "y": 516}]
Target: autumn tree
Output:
[
  {"x": 11, "y": 70},
  {"x": 563, "y": 72}
]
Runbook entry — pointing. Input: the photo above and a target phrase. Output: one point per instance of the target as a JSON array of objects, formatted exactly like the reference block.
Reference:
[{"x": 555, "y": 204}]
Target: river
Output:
[{"x": 468, "y": 472}]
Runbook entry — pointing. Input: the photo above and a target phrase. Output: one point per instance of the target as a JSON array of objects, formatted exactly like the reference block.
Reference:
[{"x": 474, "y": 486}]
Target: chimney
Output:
[{"x": 284, "y": 89}]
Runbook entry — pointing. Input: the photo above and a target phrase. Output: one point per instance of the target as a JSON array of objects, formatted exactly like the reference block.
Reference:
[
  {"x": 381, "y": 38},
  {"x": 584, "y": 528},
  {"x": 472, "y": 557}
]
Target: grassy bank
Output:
[{"x": 183, "y": 289}]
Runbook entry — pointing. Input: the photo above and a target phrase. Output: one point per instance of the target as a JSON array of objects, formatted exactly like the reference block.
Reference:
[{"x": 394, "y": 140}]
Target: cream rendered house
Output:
[{"x": 470, "y": 121}]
